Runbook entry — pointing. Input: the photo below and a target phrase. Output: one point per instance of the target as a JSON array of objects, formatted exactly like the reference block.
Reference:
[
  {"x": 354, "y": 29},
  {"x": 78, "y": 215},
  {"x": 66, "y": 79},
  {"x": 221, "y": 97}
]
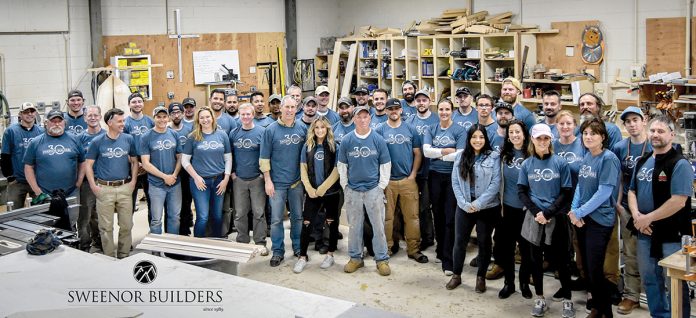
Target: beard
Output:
[
  {"x": 409, "y": 97},
  {"x": 585, "y": 117},
  {"x": 509, "y": 98},
  {"x": 56, "y": 131}
]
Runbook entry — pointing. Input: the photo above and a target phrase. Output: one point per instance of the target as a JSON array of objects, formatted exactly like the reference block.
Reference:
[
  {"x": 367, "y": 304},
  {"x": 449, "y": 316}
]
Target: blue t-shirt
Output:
[
  {"x": 681, "y": 183},
  {"x": 283, "y": 145},
  {"x": 376, "y": 120},
  {"x": 523, "y": 114},
  {"x": 408, "y": 111},
  {"x": 183, "y": 133},
  {"x": 340, "y": 130},
  {"x": 162, "y": 149},
  {"x": 332, "y": 116},
  {"x": 75, "y": 125},
  {"x": 400, "y": 141},
  {"x": 138, "y": 128},
  {"x": 422, "y": 125},
  {"x": 554, "y": 131},
  {"x": 85, "y": 138},
  {"x": 629, "y": 158},
  {"x": 573, "y": 154},
  {"x": 246, "y": 146},
  {"x": 263, "y": 122},
  {"x": 208, "y": 155},
  {"x": 545, "y": 178},
  {"x": 363, "y": 157},
  {"x": 497, "y": 142},
  {"x": 318, "y": 162},
  {"x": 452, "y": 137},
  {"x": 602, "y": 169},
  {"x": 111, "y": 156},
  {"x": 491, "y": 131},
  {"x": 511, "y": 172},
  {"x": 465, "y": 121},
  {"x": 226, "y": 123},
  {"x": 15, "y": 141},
  {"x": 55, "y": 161}
]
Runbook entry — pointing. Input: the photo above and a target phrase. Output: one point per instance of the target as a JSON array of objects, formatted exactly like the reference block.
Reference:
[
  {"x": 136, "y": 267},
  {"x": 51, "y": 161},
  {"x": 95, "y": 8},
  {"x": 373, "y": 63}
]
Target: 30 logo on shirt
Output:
[
  {"x": 515, "y": 163},
  {"x": 77, "y": 129},
  {"x": 245, "y": 143},
  {"x": 210, "y": 145},
  {"x": 441, "y": 141},
  {"x": 465, "y": 124},
  {"x": 116, "y": 152},
  {"x": 645, "y": 174},
  {"x": 545, "y": 174},
  {"x": 569, "y": 156},
  {"x": 182, "y": 140},
  {"x": 139, "y": 130},
  {"x": 630, "y": 161},
  {"x": 586, "y": 172},
  {"x": 25, "y": 142},
  {"x": 291, "y": 139},
  {"x": 319, "y": 155},
  {"x": 422, "y": 129},
  {"x": 164, "y": 145},
  {"x": 397, "y": 139},
  {"x": 55, "y": 150},
  {"x": 364, "y": 152}
]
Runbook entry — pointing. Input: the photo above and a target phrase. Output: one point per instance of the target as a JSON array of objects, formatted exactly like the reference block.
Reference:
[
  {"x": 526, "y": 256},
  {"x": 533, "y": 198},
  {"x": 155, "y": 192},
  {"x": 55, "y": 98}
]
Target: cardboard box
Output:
[
  {"x": 622, "y": 104},
  {"x": 122, "y": 63},
  {"x": 473, "y": 54}
]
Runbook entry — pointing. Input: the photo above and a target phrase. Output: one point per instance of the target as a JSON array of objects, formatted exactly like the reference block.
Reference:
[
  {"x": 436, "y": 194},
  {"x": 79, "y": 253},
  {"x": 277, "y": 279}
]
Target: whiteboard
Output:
[{"x": 207, "y": 63}]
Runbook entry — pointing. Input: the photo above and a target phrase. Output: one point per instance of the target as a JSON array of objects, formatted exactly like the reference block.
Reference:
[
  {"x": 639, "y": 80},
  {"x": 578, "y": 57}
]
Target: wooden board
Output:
[
  {"x": 669, "y": 33},
  {"x": 252, "y": 47},
  {"x": 350, "y": 68},
  {"x": 551, "y": 47},
  {"x": 333, "y": 74}
]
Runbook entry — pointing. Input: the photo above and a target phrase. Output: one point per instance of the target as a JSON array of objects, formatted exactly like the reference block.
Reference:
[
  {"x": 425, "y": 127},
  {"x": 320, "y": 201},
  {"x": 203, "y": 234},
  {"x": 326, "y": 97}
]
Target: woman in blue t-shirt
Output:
[
  {"x": 508, "y": 234},
  {"x": 545, "y": 189},
  {"x": 319, "y": 175},
  {"x": 442, "y": 143},
  {"x": 207, "y": 158},
  {"x": 476, "y": 185},
  {"x": 592, "y": 210}
]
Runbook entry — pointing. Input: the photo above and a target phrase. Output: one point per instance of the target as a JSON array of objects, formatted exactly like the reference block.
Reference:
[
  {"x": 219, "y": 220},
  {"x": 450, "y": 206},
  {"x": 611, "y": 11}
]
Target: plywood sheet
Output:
[
  {"x": 665, "y": 45},
  {"x": 551, "y": 47},
  {"x": 252, "y": 47}
]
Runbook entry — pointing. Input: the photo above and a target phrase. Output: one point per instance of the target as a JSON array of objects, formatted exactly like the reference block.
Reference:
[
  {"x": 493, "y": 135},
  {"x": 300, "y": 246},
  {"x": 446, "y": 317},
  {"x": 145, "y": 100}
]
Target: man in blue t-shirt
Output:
[
  {"x": 232, "y": 104},
  {"x": 405, "y": 153},
  {"x": 279, "y": 160},
  {"x": 189, "y": 105},
  {"x": 74, "y": 117},
  {"x": 323, "y": 97},
  {"x": 590, "y": 106},
  {"x": 309, "y": 111},
  {"x": 112, "y": 169},
  {"x": 511, "y": 93},
  {"x": 551, "y": 102},
  {"x": 137, "y": 125},
  {"x": 160, "y": 151},
  {"x": 15, "y": 140},
  {"x": 379, "y": 100},
  {"x": 659, "y": 201},
  {"x": 260, "y": 118},
  {"x": 182, "y": 129},
  {"x": 503, "y": 116},
  {"x": 87, "y": 224},
  {"x": 629, "y": 150},
  {"x": 52, "y": 163},
  {"x": 408, "y": 91},
  {"x": 465, "y": 115},
  {"x": 346, "y": 124},
  {"x": 364, "y": 167},
  {"x": 484, "y": 107}
]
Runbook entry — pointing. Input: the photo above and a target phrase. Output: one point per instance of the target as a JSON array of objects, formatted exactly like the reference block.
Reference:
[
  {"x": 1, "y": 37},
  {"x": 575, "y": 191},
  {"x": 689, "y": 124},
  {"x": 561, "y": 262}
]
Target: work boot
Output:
[
  {"x": 480, "y": 284},
  {"x": 626, "y": 306},
  {"x": 353, "y": 265},
  {"x": 455, "y": 281},
  {"x": 495, "y": 273},
  {"x": 383, "y": 268}
]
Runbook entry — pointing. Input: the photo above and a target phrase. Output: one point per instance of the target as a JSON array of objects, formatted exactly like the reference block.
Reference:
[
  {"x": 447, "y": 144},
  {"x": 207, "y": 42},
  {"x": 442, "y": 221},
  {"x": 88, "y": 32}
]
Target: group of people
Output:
[{"x": 560, "y": 190}]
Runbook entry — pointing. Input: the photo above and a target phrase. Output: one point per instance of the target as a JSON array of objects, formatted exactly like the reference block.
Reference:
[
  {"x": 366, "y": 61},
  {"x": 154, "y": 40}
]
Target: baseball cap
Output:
[
  {"x": 541, "y": 130},
  {"x": 424, "y": 92},
  {"x": 309, "y": 99},
  {"x": 27, "y": 105},
  {"x": 463, "y": 90},
  {"x": 345, "y": 100},
  {"x": 321, "y": 89},
  {"x": 55, "y": 113},
  {"x": 632, "y": 110},
  {"x": 514, "y": 82},
  {"x": 359, "y": 109},
  {"x": 504, "y": 105},
  {"x": 189, "y": 101},
  {"x": 393, "y": 102},
  {"x": 159, "y": 109},
  {"x": 361, "y": 90},
  {"x": 74, "y": 93},
  {"x": 274, "y": 97},
  {"x": 175, "y": 106}
]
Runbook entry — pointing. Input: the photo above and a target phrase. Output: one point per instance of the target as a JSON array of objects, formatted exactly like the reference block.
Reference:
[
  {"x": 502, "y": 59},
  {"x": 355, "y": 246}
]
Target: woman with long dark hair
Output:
[
  {"x": 476, "y": 185},
  {"x": 508, "y": 233},
  {"x": 545, "y": 189},
  {"x": 592, "y": 210},
  {"x": 319, "y": 175}
]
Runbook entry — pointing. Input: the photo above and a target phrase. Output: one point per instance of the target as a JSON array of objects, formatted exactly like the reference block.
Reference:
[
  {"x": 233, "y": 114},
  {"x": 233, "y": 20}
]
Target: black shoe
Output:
[
  {"x": 394, "y": 249},
  {"x": 296, "y": 253},
  {"x": 561, "y": 294},
  {"x": 578, "y": 285},
  {"x": 340, "y": 235},
  {"x": 474, "y": 262},
  {"x": 276, "y": 260},
  {"x": 508, "y": 289},
  {"x": 526, "y": 292},
  {"x": 419, "y": 257},
  {"x": 318, "y": 244},
  {"x": 324, "y": 249},
  {"x": 614, "y": 295}
]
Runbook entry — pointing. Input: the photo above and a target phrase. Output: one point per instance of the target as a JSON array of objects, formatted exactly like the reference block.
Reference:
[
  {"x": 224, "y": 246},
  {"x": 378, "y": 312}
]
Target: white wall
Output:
[
  {"x": 36, "y": 67},
  {"x": 315, "y": 19}
]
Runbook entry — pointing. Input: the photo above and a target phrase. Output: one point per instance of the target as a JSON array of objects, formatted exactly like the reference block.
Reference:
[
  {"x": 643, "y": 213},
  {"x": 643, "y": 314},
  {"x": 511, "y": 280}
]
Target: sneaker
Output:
[
  {"x": 449, "y": 273},
  {"x": 328, "y": 262},
  {"x": 276, "y": 260},
  {"x": 568, "y": 310},
  {"x": 383, "y": 268},
  {"x": 561, "y": 294},
  {"x": 438, "y": 261},
  {"x": 263, "y": 251},
  {"x": 353, "y": 265},
  {"x": 299, "y": 265},
  {"x": 540, "y": 307}
]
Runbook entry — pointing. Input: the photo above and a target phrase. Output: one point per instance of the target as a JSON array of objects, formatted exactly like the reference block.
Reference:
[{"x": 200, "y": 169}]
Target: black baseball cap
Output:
[
  {"x": 503, "y": 105},
  {"x": 463, "y": 90},
  {"x": 74, "y": 93},
  {"x": 55, "y": 113},
  {"x": 175, "y": 106},
  {"x": 189, "y": 101},
  {"x": 361, "y": 90},
  {"x": 393, "y": 102}
]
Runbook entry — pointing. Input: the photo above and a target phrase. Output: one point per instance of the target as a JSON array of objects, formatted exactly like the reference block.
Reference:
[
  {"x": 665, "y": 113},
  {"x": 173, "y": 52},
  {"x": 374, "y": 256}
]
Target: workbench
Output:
[{"x": 676, "y": 271}]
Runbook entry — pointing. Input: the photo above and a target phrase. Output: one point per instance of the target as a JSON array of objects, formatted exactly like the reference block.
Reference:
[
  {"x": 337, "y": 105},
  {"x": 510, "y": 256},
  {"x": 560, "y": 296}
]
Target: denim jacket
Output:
[{"x": 487, "y": 184}]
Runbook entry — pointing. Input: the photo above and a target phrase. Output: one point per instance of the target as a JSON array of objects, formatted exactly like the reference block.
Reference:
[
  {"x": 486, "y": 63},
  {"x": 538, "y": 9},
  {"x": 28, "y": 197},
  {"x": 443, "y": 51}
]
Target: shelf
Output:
[
  {"x": 368, "y": 77},
  {"x": 368, "y": 58},
  {"x": 467, "y": 82},
  {"x": 539, "y": 101},
  {"x": 466, "y": 59},
  {"x": 684, "y": 101},
  {"x": 664, "y": 84},
  {"x": 494, "y": 82},
  {"x": 426, "y": 56},
  {"x": 444, "y": 57},
  {"x": 500, "y": 59},
  {"x": 547, "y": 81},
  {"x": 424, "y": 76}
]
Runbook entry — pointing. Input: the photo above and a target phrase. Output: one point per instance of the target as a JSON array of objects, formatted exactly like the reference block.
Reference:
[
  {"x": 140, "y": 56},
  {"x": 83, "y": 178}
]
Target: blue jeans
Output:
[
  {"x": 294, "y": 198},
  {"x": 158, "y": 197},
  {"x": 373, "y": 200},
  {"x": 207, "y": 202},
  {"x": 653, "y": 277}
]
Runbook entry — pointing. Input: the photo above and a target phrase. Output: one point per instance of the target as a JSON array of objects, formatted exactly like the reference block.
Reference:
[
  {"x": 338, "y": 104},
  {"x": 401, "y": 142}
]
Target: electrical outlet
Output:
[
  {"x": 40, "y": 105},
  {"x": 170, "y": 74},
  {"x": 56, "y": 105},
  {"x": 170, "y": 95}
]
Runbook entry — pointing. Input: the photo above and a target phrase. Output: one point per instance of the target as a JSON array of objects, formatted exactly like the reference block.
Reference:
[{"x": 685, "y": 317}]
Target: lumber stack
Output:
[
  {"x": 199, "y": 247},
  {"x": 456, "y": 21}
]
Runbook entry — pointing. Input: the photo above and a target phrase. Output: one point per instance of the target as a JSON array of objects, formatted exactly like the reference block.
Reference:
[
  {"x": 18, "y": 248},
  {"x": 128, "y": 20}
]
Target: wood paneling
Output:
[
  {"x": 551, "y": 48},
  {"x": 665, "y": 47},
  {"x": 253, "y": 48}
]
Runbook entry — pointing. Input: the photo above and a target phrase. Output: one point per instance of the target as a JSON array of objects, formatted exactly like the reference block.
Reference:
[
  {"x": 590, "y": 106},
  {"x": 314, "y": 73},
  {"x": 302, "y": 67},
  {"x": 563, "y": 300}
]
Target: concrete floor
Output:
[{"x": 413, "y": 289}]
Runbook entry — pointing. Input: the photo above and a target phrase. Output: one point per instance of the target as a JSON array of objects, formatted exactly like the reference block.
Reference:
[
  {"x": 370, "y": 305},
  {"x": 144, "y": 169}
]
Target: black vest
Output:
[
  {"x": 329, "y": 164},
  {"x": 672, "y": 228}
]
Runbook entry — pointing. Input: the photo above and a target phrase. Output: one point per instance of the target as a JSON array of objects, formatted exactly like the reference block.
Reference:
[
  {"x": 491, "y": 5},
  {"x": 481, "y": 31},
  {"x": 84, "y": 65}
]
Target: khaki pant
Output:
[
  {"x": 406, "y": 193},
  {"x": 119, "y": 200},
  {"x": 17, "y": 193},
  {"x": 611, "y": 258},
  {"x": 632, "y": 284}
]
